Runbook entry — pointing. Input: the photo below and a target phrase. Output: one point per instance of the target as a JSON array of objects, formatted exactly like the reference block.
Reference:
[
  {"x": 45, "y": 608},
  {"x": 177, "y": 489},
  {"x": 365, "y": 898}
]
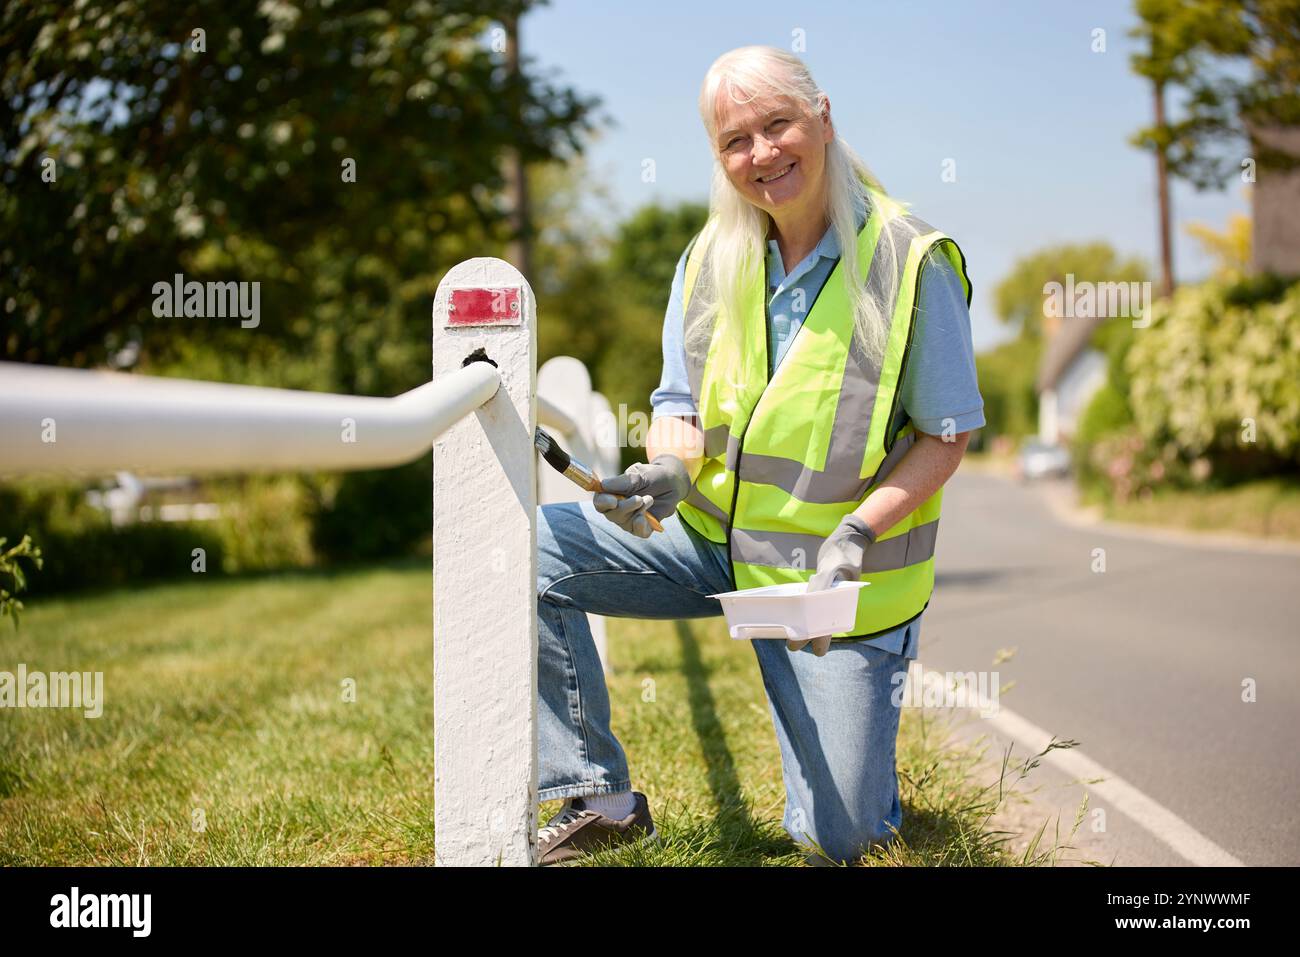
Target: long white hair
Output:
[{"x": 737, "y": 229}]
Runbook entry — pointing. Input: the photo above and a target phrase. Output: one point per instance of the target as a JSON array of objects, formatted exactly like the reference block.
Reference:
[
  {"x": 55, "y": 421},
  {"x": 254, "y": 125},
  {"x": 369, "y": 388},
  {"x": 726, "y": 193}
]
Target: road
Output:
[{"x": 1142, "y": 663}]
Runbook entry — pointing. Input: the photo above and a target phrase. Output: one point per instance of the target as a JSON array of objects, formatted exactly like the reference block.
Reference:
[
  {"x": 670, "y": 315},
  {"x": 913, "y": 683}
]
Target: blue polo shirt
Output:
[{"x": 938, "y": 384}]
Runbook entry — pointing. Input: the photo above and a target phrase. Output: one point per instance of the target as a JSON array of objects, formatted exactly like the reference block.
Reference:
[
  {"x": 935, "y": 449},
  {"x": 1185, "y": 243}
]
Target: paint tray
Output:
[{"x": 790, "y": 611}]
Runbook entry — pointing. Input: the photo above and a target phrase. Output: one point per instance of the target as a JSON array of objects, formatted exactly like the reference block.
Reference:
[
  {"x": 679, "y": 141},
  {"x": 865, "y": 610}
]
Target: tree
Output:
[
  {"x": 1229, "y": 248},
  {"x": 1238, "y": 66},
  {"x": 647, "y": 248},
  {"x": 602, "y": 291},
  {"x": 343, "y": 155},
  {"x": 1175, "y": 35},
  {"x": 1019, "y": 297}
]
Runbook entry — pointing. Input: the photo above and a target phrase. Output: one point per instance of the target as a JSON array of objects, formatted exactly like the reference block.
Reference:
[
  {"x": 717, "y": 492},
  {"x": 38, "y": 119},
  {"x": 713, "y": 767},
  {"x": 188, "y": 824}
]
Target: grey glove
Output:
[
  {"x": 840, "y": 558},
  {"x": 660, "y": 486}
]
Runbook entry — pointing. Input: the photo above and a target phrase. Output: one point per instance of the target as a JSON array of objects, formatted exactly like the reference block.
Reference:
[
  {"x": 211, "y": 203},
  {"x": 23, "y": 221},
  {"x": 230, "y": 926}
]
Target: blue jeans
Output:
[{"x": 835, "y": 720}]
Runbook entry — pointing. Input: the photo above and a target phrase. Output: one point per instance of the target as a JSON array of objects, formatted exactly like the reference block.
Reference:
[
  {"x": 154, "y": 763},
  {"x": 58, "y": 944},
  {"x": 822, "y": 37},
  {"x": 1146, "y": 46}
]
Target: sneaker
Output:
[{"x": 576, "y": 831}]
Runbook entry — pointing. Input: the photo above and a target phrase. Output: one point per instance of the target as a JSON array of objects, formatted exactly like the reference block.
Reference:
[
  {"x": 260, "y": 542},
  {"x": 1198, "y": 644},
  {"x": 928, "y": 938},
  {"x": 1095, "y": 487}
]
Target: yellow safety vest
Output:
[{"x": 786, "y": 459}]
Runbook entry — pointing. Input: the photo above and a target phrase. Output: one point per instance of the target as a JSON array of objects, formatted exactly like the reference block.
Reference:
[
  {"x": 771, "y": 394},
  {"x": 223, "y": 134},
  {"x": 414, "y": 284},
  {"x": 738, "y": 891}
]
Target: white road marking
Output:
[{"x": 1154, "y": 817}]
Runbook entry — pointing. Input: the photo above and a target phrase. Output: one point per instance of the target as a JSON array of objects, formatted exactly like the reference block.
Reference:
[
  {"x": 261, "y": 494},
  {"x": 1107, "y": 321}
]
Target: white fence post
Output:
[
  {"x": 480, "y": 421},
  {"x": 485, "y": 577}
]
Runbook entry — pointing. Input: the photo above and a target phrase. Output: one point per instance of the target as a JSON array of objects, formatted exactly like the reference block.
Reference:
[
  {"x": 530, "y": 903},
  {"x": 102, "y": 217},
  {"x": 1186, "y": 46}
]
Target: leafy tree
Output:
[
  {"x": 647, "y": 248},
  {"x": 1006, "y": 376},
  {"x": 1238, "y": 65},
  {"x": 602, "y": 292},
  {"x": 642, "y": 260},
  {"x": 217, "y": 139},
  {"x": 1019, "y": 297},
  {"x": 1229, "y": 248}
]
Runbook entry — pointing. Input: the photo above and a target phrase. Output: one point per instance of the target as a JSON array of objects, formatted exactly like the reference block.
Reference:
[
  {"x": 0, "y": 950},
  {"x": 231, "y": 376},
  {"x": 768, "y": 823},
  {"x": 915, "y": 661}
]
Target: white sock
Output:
[{"x": 616, "y": 806}]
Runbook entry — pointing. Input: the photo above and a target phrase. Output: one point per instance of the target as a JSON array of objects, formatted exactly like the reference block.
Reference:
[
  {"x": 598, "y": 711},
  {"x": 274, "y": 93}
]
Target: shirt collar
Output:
[{"x": 829, "y": 247}]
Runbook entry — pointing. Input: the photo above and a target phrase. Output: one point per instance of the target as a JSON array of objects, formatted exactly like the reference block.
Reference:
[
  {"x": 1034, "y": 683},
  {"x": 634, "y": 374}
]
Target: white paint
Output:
[
  {"x": 485, "y": 591},
  {"x": 1154, "y": 817},
  {"x": 115, "y": 421}
]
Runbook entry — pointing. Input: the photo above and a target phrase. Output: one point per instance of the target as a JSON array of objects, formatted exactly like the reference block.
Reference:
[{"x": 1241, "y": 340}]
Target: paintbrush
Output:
[{"x": 574, "y": 470}]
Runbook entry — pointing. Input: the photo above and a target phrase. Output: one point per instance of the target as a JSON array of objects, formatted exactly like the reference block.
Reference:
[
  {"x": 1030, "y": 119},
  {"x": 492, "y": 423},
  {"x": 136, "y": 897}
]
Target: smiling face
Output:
[{"x": 774, "y": 153}]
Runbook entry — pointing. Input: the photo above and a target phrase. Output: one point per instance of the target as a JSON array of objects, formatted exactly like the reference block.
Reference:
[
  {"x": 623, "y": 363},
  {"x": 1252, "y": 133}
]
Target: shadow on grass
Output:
[{"x": 733, "y": 821}]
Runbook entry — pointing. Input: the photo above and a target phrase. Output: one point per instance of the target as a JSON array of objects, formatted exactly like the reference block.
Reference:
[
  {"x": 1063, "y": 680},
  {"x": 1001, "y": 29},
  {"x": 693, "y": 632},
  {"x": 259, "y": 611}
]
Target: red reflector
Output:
[{"x": 484, "y": 307}]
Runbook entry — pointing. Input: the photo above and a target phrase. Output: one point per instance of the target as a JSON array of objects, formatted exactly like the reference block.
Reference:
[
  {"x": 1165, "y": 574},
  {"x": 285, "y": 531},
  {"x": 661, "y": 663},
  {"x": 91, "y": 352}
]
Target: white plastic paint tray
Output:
[{"x": 790, "y": 611}]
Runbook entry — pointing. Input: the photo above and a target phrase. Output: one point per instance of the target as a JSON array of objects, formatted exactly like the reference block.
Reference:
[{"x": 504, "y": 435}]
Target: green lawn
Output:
[{"x": 224, "y": 708}]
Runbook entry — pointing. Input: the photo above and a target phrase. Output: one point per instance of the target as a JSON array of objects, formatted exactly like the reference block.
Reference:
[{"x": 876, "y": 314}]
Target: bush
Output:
[
  {"x": 13, "y": 579},
  {"x": 376, "y": 514},
  {"x": 1121, "y": 465},
  {"x": 1217, "y": 377},
  {"x": 1006, "y": 380},
  {"x": 1106, "y": 414},
  {"x": 81, "y": 548},
  {"x": 265, "y": 523}
]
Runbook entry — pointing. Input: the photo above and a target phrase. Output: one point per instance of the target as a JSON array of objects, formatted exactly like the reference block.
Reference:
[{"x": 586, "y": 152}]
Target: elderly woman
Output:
[{"x": 818, "y": 389}]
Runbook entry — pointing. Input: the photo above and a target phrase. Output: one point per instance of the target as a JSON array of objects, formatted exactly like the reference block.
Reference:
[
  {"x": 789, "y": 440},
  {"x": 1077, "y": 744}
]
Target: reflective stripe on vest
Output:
[{"x": 811, "y": 443}]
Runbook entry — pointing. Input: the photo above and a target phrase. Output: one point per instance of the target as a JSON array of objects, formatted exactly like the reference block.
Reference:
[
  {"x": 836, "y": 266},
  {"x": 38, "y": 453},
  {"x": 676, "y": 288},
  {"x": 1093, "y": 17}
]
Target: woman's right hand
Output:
[{"x": 656, "y": 488}]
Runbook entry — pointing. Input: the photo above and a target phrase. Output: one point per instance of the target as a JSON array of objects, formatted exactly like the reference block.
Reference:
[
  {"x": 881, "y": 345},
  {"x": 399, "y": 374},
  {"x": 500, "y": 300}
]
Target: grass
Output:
[
  {"x": 1268, "y": 508},
  {"x": 225, "y": 738}
]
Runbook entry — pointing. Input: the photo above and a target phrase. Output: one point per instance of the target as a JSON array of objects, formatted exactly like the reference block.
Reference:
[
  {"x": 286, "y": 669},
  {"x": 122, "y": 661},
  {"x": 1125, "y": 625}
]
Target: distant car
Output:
[{"x": 1039, "y": 460}]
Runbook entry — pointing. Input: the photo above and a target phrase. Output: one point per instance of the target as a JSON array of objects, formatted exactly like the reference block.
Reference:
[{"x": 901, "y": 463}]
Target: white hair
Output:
[{"x": 737, "y": 229}]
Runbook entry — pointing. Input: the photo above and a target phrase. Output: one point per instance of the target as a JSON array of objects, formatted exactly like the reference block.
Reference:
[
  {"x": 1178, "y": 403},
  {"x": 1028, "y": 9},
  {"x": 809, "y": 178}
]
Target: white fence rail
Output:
[
  {"x": 479, "y": 419},
  {"x": 88, "y": 421}
]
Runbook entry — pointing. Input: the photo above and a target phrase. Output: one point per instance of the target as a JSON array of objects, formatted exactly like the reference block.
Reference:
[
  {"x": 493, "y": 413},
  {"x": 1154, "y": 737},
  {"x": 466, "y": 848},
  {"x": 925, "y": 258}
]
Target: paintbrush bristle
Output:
[{"x": 555, "y": 456}]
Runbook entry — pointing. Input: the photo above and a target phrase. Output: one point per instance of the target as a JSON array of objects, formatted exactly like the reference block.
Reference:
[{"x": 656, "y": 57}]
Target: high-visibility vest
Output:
[{"x": 786, "y": 459}]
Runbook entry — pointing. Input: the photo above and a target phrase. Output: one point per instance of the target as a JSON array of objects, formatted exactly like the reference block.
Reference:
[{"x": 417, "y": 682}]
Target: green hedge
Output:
[
  {"x": 81, "y": 548},
  {"x": 378, "y": 514},
  {"x": 1006, "y": 379},
  {"x": 1216, "y": 377}
]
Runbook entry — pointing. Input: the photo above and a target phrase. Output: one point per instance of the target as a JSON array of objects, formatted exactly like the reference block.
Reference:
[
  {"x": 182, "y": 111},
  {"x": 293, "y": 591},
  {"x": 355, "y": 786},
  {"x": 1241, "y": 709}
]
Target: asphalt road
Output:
[{"x": 1143, "y": 664}]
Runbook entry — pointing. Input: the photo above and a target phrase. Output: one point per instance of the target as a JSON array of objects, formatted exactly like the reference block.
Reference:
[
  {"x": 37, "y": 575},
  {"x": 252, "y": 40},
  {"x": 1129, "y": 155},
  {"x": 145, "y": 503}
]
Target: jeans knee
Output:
[
  {"x": 845, "y": 838},
  {"x": 846, "y": 846}
]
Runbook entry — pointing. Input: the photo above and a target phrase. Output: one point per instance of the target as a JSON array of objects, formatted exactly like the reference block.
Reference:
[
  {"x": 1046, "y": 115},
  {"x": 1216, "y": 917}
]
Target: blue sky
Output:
[{"x": 1037, "y": 123}]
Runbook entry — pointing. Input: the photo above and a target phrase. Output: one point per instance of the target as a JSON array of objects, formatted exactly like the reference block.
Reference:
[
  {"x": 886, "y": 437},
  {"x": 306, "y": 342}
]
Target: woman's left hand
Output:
[{"x": 840, "y": 558}]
